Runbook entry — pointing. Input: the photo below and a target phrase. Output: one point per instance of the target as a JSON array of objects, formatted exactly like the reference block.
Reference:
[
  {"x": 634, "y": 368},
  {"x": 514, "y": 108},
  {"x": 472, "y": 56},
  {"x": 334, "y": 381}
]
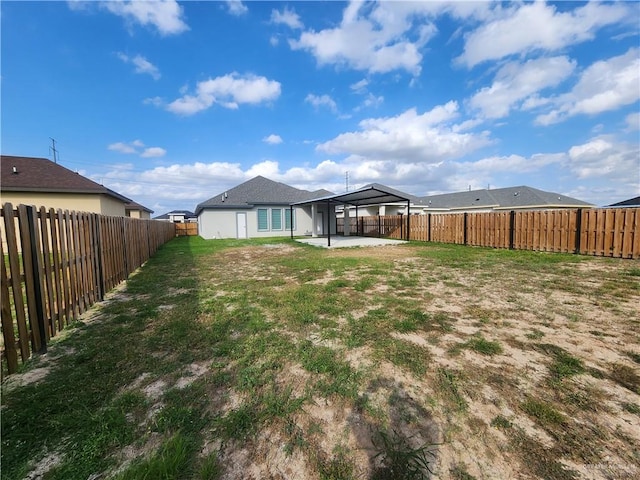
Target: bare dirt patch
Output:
[{"x": 485, "y": 434}]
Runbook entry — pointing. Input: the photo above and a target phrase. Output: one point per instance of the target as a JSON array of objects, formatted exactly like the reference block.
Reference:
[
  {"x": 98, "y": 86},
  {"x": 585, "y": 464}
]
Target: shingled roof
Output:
[
  {"x": 631, "y": 202},
  {"x": 136, "y": 206},
  {"x": 500, "y": 199},
  {"x": 259, "y": 191},
  {"x": 32, "y": 174},
  {"x": 185, "y": 213}
]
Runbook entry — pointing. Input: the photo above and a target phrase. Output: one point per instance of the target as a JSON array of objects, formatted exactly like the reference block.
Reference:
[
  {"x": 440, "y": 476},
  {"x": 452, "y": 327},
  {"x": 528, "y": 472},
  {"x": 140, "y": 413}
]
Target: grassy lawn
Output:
[{"x": 270, "y": 359}]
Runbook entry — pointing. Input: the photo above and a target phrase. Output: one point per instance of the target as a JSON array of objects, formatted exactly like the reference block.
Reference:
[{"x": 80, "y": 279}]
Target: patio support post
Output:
[
  {"x": 357, "y": 223},
  {"x": 408, "y": 220},
  {"x": 328, "y": 223},
  {"x": 347, "y": 223},
  {"x": 291, "y": 219},
  {"x": 314, "y": 214}
]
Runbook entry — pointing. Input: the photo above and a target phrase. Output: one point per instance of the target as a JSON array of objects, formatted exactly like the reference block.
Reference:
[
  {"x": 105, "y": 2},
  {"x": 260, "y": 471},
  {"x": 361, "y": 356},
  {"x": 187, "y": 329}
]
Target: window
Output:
[
  {"x": 288, "y": 221},
  {"x": 263, "y": 219},
  {"x": 276, "y": 219}
]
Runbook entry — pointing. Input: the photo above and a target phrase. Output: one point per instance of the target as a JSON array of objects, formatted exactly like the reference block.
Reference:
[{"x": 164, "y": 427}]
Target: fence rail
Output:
[
  {"x": 604, "y": 232},
  {"x": 57, "y": 264}
]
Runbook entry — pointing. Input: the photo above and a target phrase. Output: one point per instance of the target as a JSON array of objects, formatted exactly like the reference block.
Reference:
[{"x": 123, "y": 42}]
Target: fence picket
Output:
[
  {"x": 602, "y": 232},
  {"x": 50, "y": 314},
  {"x": 57, "y": 264},
  {"x": 10, "y": 351}
]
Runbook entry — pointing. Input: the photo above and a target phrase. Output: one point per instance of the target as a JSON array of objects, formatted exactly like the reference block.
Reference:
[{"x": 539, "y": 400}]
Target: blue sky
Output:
[{"x": 172, "y": 103}]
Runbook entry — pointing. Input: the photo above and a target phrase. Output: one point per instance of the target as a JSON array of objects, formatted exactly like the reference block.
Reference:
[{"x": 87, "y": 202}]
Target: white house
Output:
[{"x": 262, "y": 208}]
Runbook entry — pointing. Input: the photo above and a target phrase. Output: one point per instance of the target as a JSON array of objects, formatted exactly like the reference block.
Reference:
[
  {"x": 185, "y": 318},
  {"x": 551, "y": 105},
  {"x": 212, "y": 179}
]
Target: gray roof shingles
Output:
[
  {"x": 258, "y": 191},
  {"x": 511, "y": 197},
  {"x": 33, "y": 174}
]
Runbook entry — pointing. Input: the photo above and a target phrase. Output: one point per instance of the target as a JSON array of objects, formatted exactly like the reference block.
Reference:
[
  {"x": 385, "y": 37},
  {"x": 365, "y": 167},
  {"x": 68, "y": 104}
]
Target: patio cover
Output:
[{"x": 374, "y": 194}]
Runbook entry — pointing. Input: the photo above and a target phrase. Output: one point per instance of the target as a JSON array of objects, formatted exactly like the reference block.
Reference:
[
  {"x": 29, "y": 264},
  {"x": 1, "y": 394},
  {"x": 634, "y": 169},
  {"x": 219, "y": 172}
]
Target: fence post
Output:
[
  {"x": 99, "y": 259},
  {"x": 578, "y": 230},
  {"x": 37, "y": 280},
  {"x": 512, "y": 228},
  {"x": 10, "y": 351},
  {"x": 464, "y": 228}
]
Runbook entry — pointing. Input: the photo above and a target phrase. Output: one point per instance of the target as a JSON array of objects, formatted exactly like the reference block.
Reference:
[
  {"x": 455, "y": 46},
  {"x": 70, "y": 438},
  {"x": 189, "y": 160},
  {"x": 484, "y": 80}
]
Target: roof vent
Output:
[
  {"x": 516, "y": 194},
  {"x": 15, "y": 170},
  {"x": 222, "y": 198}
]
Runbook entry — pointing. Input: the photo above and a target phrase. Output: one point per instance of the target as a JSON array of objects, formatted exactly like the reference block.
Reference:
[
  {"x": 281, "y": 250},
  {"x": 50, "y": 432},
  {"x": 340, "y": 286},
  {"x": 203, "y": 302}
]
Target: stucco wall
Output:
[
  {"x": 65, "y": 201},
  {"x": 111, "y": 206},
  {"x": 217, "y": 223},
  {"x": 223, "y": 223}
]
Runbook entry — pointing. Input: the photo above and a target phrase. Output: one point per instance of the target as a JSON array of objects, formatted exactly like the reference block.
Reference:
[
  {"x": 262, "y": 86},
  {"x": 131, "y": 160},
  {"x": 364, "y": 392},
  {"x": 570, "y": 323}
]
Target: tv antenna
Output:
[{"x": 53, "y": 149}]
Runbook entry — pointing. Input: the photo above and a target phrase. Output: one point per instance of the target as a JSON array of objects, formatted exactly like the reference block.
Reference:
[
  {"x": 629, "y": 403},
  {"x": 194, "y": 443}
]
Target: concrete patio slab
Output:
[{"x": 350, "y": 241}]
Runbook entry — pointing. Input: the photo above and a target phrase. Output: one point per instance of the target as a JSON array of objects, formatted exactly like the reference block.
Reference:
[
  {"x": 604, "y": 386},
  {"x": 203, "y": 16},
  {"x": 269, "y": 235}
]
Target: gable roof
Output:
[
  {"x": 136, "y": 206},
  {"x": 500, "y": 198},
  {"x": 31, "y": 174},
  {"x": 258, "y": 191},
  {"x": 631, "y": 202},
  {"x": 184, "y": 213}
]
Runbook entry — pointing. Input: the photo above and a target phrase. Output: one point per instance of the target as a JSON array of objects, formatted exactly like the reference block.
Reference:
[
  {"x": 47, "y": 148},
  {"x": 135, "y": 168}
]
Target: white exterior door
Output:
[{"x": 241, "y": 225}]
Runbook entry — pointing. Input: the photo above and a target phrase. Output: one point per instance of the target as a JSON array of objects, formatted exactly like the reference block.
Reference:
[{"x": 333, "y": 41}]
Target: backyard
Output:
[{"x": 268, "y": 359}]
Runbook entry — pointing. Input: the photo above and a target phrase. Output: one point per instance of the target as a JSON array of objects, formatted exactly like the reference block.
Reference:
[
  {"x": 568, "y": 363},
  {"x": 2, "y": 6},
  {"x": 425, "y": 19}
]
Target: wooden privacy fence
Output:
[
  {"x": 186, "y": 229},
  {"x": 57, "y": 264},
  {"x": 605, "y": 232}
]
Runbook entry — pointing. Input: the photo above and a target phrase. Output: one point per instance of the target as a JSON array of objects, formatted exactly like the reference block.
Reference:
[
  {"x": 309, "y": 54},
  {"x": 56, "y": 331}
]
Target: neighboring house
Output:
[
  {"x": 135, "y": 210},
  {"x": 632, "y": 202},
  {"x": 178, "y": 216},
  {"x": 486, "y": 200},
  {"x": 261, "y": 208},
  {"x": 41, "y": 182},
  {"x": 395, "y": 208}
]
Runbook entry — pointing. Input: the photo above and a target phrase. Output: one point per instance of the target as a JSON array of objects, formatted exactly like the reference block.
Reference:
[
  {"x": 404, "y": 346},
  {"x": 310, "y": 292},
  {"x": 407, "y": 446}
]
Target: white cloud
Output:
[
  {"x": 529, "y": 27},
  {"x": 286, "y": 17},
  {"x": 599, "y": 162},
  {"x": 153, "y": 152},
  {"x": 605, "y": 85},
  {"x": 602, "y": 157},
  {"x": 122, "y": 147},
  {"x": 516, "y": 82},
  {"x": 142, "y": 65},
  {"x": 322, "y": 101},
  {"x": 272, "y": 139},
  {"x": 79, "y": 5},
  {"x": 603, "y": 160},
  {"x": 360, "y": 87},
  {"x": 373, "y": 101},
  {"x": 633, "y": 122},
  {"x": 380, "y": 39},
  {"x": 228, "y": 91},
  {"x": 236, "y": 7},
  {"x": 409, "y": 137},
  {"x": 510, "y": 163},
  {"x": 164, "y": 15},
  {"x": 137, "y": 147}
]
